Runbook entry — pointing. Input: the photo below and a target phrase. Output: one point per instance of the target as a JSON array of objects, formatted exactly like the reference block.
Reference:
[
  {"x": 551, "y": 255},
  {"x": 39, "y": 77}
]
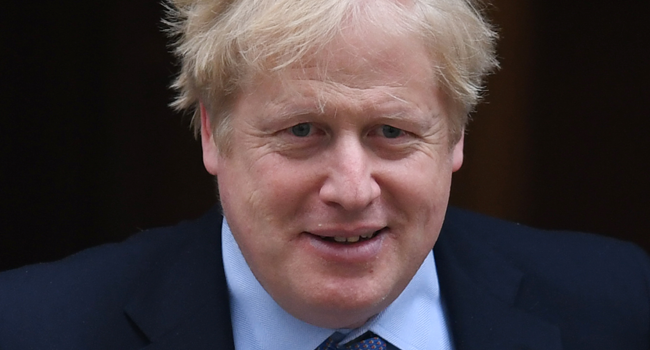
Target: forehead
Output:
[
  {"x": 358, "y": 58},
  {"x": 360, "y": 73},
  {"x": 400, "y": 58}
]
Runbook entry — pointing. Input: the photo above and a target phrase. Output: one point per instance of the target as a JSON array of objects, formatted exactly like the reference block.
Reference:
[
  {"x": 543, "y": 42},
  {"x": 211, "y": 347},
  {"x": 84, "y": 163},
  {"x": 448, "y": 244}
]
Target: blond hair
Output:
[{"x": 221, "y": 42}]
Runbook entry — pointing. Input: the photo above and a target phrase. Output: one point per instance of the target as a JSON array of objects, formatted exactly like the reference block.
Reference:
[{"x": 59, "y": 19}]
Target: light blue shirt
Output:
[{"x": 414, "y": 321}]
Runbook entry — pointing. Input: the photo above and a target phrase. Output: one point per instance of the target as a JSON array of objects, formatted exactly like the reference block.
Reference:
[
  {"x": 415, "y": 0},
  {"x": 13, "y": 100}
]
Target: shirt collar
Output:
[{"x": 414, "y": 321}]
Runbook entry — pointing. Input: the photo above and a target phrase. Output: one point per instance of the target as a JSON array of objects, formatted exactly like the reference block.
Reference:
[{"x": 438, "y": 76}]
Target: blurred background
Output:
[{"x": 90, "y": 153}]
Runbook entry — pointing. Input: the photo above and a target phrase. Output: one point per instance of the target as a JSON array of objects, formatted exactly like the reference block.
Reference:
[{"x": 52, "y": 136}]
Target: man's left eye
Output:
[
  {"x": 391, "y": 132},
  {"x": 301, "y": 130}
]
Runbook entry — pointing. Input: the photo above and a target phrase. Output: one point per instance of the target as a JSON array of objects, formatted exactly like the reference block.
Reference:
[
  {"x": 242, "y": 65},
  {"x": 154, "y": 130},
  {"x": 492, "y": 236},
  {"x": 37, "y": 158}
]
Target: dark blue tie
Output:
[{"x": 373, "y": 343}]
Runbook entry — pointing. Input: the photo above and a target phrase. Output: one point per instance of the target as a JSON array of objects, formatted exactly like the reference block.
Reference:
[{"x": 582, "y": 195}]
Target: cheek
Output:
[
  {"x": 420, "y": 185},
  {"x": 266, "y": 192},
  {"x": 287, "y": 181},
  {"x": 419, "y": 192}
]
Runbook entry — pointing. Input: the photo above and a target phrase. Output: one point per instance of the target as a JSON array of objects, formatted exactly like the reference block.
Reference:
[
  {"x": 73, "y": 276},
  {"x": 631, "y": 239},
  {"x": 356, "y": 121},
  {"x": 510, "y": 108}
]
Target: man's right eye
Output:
[{"x": 301, "y": 130}]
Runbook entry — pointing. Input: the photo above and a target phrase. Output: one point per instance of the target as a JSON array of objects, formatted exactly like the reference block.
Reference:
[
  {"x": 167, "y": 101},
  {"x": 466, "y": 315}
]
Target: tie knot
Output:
[{"x": 372, "y": 343}]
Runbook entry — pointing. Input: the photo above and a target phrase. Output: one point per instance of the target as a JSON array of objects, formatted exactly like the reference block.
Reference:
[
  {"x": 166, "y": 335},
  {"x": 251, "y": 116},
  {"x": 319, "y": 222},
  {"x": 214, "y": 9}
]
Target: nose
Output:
[{"x": 350, "y": 182}]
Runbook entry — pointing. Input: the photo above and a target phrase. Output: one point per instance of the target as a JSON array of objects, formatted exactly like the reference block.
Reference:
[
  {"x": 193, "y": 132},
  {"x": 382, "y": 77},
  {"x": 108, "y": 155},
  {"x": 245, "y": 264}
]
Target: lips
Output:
[{"x": 346, "y": 247}]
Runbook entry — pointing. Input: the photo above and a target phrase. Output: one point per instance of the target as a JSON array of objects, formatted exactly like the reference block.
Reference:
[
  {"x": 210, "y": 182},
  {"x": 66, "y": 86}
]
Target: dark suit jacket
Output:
[{"x": 505, "y": 286}]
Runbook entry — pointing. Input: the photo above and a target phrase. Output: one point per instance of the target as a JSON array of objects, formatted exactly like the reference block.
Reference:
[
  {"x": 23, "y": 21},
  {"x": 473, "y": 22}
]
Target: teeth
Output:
[{"x": 354, "y": 239}]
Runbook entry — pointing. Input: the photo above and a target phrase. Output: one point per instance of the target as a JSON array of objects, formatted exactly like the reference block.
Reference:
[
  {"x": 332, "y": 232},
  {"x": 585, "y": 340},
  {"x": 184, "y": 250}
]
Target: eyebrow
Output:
[
  {"x": 397, "y": 108},
  {"x": 389, "y": 107},
  {"x": 288, "y": 110}
]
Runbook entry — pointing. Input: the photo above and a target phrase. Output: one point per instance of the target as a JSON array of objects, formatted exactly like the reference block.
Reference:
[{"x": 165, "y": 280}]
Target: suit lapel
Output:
[
  {"x": 479, "y": 289},
  {"x": 185, "y": 303}
]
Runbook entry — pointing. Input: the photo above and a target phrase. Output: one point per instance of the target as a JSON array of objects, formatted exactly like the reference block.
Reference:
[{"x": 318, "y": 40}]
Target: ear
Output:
[
  {"x": 210, "y": 149},
  {"x": 457, "y": 153}
]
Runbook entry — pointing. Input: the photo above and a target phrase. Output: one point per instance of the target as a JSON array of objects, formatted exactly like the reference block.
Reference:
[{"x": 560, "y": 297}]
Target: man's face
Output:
[{"x": 336, "y": 184}]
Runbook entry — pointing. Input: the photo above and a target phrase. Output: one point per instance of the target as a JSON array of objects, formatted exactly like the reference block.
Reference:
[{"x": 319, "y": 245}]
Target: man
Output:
[{"x": 333, "y": 128}]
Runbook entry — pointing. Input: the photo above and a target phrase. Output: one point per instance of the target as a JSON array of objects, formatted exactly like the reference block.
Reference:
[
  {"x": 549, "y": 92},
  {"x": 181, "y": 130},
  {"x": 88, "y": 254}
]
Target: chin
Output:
[{"x": 342, "y": 307}]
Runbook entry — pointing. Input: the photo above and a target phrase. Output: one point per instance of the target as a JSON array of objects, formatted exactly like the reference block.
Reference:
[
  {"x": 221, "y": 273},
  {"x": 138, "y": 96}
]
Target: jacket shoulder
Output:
[
  {"x": 595, "y": 289},
  {"x": 527, "y": 246},
  {"x": 87, "y": 292}
]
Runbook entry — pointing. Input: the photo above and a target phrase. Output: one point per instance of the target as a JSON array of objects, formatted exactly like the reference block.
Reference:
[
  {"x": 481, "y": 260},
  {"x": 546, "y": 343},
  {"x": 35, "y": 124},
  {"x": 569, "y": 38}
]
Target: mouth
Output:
[
  {"x": 348, "y": 247},
  {"x": 351, "y": 239}
]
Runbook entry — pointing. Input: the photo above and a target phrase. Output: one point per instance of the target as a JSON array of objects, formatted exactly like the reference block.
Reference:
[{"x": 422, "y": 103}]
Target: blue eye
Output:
[
  {"x": 301, "y": 130},
  {"x": 391, "y": 132}
]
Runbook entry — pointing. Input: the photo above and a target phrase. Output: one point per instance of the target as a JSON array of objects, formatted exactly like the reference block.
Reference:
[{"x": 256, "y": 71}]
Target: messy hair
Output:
[{"x": 221, "y": 42}]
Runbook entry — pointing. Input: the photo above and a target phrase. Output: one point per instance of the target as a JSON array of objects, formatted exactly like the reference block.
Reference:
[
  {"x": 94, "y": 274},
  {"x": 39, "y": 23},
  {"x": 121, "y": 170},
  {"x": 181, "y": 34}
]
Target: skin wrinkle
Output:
[{"x": 348, "y": 91}]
